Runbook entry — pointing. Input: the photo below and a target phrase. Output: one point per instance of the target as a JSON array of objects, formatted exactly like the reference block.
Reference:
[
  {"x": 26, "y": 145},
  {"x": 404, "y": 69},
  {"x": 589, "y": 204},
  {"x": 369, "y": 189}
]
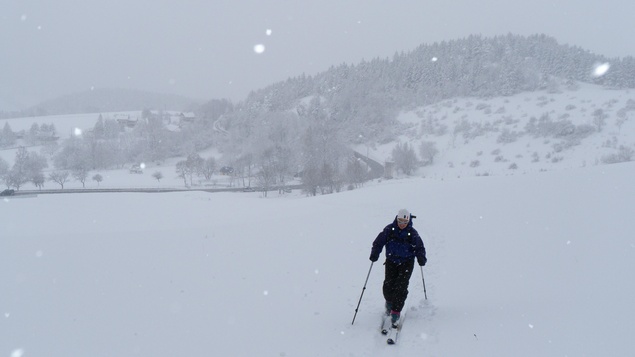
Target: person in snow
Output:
[{"x": 403, "y": 244}]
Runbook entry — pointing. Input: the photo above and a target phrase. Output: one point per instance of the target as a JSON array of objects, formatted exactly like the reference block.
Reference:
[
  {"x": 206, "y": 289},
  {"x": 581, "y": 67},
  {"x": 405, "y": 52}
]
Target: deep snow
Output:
[{"x": 540, "y": 264}]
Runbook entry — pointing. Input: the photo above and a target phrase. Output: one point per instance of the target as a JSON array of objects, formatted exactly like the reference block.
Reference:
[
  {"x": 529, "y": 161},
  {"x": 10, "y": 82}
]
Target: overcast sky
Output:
[{"x": 205, "y": 49}]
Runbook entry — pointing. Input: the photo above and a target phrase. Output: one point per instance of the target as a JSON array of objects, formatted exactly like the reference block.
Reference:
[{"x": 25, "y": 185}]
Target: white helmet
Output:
[{"x": 403, "y": 214}]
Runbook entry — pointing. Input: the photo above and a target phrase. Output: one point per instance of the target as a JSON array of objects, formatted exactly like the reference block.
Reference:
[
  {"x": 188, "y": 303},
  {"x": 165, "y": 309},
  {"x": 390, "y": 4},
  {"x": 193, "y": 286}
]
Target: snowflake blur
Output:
[
  {"x": 600, "y": 69},
  {"x": 259, "y": 48}
]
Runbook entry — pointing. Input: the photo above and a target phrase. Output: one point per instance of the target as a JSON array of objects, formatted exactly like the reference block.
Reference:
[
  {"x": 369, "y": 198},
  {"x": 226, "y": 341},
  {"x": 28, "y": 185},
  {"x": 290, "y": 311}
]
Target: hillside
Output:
[
  {"x": 367, "y": 96},
  {"x": 111, "y": 100},
  {"x": 473, "y": 136},
  {"x": 521, "y": 104},
  {"x": 577, "y": 126}
]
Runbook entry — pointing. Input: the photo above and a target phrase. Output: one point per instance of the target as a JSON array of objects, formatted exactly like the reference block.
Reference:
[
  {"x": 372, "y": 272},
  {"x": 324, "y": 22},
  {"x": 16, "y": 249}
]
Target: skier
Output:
[{"x": 403, "y": 244}]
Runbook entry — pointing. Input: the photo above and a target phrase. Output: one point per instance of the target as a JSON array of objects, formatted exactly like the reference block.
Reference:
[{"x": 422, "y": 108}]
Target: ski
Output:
[
  {"x": 394, "y": 330},
  {"x": 385, "y": 323}
]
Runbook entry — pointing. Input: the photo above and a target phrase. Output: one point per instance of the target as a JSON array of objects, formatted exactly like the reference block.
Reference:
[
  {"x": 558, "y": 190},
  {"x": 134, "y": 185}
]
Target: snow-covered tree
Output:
[
  {"x": 405, "y": 158},
  {"x": 7, "y": 136},
  {"x": 98, "y": 178},
  {"x": 157, "y": 175}
]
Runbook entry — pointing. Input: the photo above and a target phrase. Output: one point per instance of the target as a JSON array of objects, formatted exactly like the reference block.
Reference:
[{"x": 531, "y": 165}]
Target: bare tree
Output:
[
  {"x": 60, "y": 177},
  {"x": 266, "y": 176},
  {"x": 81, "y": 174},
  {"x": 38, "y": 180},
  {"x": 208, "y": 168},
  {"x": 182, "y": 170}
]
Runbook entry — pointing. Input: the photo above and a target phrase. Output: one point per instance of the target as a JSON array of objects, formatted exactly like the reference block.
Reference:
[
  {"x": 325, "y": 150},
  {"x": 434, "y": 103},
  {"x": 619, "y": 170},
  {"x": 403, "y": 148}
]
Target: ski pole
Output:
[
  {"x": 424, "y": 283},
  {"x": 360, "y": 297}
]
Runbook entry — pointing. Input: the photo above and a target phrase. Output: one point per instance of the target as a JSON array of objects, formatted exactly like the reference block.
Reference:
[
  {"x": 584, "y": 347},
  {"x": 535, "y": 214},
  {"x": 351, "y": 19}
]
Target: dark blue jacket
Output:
[{"x": 401, "y": 244}]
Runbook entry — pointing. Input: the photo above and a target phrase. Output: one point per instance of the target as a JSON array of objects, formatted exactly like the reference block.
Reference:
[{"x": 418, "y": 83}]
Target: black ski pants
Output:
[{"x": 396, "y": 282}]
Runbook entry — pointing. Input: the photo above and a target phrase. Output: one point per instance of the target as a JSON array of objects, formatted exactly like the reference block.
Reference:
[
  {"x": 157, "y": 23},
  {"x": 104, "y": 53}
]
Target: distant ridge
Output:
[{"x": 112, "y": 100}]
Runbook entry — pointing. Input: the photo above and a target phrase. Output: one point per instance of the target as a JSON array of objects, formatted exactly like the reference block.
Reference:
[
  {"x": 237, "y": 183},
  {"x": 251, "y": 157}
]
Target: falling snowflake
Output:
[
  {"x": 600, "y": 69},
  {"x": 434, "y": 59},
  {"x": 259, "y": 48},
  {"x": 268, "y": 32},
  {"x": 17, "y": 352},
  {"x": 77, "y": 132}
]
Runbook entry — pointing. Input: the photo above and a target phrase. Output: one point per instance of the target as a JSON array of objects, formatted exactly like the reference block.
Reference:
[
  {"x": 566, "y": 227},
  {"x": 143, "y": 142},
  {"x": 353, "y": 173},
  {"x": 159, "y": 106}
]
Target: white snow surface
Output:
[{"x": 540, "y": 264}]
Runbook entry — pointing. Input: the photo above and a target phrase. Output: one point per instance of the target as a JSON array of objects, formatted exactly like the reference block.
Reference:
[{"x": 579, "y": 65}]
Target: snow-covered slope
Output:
[
  {"x": 468, "y": 132},
  {"x": 540, "y": 264}
]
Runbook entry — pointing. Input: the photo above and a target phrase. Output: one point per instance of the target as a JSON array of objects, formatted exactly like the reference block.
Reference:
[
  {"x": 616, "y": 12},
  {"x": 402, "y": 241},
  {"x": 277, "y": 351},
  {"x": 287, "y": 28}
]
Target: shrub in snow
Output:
[
  {"x": 428, "y": 151},
  {"x": 624, "y": 154},
  {"x": 547, "y": 127},
  {"x": 507, "y": 136},
  {"x": 482, "y": 106},
  {"x": 599, "y": 119}
]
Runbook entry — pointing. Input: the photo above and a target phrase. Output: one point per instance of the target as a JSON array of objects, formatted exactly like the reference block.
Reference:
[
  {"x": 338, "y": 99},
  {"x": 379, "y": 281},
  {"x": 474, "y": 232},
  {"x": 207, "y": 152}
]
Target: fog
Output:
[{"x": 204, "y": 50}]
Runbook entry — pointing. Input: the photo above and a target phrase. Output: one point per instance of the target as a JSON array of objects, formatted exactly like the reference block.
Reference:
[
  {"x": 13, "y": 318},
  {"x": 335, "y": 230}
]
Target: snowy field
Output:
[{"x": 540, "y": 264}]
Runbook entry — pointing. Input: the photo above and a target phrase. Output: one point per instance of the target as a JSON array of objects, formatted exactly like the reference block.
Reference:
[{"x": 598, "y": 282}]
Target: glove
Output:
[
  {"x": 373, "y": 259},
  {"x": 423, "y": 262}
]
